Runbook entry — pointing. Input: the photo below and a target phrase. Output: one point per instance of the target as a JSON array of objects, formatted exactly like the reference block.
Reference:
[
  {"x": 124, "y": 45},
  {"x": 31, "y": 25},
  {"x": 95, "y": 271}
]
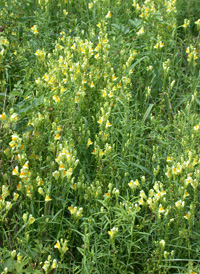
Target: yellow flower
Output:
[
  {"x": 19, "y": 187},
  {"x": 56, "y": 98},
  {"x": 57, "y": 245},
  {"x": 92, "y": 85},
  {"x": 47, "y": 199},
  {"x": 100, "y": 120},
  {"x": 15, "y": 196},
  {"x": 161, "y": 209},
  {"x": 31, "y": 219},
  {"x": 179, "y": 204},
  {"x": 89, "y": 142},
  {"x": 57, "y": 137},
  {"x": 113, "y": 232},
  {"x": 34, "y": 29},
  {"x": 141, "y": 201},
  {"x": 161, "y": 44},
  {"x": 141, "y": 31},
  {"x": 54, "y": 264},
  {"x": 196, "y": 127},
  {"x": 3, "y": 116},
  {"x": 65, "y": 12},
  {"x": 61, "y": 167},
  {"x": 15, "y": 171},
  {"x": 108, "y": 124},
  {"x": 56, "y": 174},
  {"x": 40, "y": 191},
  {"x": 197, "y": 22},
  {"x": 156, "y": 46},
  {"x": 19, "y": 257},
  {"x": 108, "y": 15},
  {"x": 25, "y": 166},
  {"x": 46, "y": 266},
  {"x": 110, "y": 233},
  {"x": 187, "y": 216}
]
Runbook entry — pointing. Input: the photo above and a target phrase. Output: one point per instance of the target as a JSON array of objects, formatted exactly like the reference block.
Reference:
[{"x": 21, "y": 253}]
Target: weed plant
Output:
[{"x": 99, "y": 136}]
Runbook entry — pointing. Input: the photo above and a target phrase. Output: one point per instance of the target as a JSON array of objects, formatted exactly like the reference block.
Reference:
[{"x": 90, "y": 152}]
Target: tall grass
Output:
[{"x": 99, "y": 133}]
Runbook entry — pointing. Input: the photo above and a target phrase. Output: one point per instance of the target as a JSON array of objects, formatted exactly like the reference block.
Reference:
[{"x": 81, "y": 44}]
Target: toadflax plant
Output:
[{"x": 99, "y": 133}]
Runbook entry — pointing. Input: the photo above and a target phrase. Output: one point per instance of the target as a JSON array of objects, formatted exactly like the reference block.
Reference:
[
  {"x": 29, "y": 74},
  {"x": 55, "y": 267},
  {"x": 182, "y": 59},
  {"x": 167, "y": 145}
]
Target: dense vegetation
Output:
[{"x": 99, "y": 136}]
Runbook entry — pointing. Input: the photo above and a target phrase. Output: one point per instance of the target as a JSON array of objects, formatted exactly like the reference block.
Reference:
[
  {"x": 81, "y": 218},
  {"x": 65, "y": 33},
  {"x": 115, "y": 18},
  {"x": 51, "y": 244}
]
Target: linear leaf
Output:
[{"x": 147, "y": 112}]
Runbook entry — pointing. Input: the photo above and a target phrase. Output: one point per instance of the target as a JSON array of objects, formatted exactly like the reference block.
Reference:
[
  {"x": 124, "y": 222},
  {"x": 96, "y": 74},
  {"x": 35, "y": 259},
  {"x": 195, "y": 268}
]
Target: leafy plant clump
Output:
[{"x": 99, "y": 136}]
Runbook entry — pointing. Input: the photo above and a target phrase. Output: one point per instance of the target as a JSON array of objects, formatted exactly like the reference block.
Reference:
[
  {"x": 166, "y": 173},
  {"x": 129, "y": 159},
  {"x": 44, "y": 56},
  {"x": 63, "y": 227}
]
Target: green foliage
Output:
[{"x": 99, "y": 134}]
